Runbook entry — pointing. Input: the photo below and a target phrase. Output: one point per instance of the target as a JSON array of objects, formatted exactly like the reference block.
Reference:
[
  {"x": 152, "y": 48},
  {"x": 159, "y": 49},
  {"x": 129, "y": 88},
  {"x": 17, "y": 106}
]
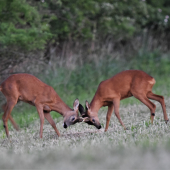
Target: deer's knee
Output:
[
  {"x": 161, "y": 99},
  {"x": 53, "y": 125},
  {"x": 4, "y": 118},
  {"x": 117, "y": 114},
  {"x": 108, "y": 117},
  {"x": 153, "y": 108},
  {"x": 3, "y": 107}
]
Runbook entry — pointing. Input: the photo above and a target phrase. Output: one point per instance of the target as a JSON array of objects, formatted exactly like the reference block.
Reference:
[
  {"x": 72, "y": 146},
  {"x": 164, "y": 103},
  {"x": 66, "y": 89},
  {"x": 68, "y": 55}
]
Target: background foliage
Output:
[{"x": 29, "y": 25}]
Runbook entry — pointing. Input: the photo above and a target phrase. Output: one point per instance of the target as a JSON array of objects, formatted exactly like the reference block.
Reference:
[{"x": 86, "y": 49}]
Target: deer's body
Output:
[
  {"x": 29, "y": 89},
  {"x": 123, "y": 85}
]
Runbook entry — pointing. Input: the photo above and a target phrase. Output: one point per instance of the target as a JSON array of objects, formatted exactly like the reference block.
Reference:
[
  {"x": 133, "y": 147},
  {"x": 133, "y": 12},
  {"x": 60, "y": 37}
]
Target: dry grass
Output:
[{"x": 144, "y": 146}]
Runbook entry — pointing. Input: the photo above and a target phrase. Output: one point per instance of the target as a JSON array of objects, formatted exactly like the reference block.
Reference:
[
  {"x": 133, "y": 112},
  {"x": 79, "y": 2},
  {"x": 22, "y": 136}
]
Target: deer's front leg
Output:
[
  {"x": 116, "y": 103},
  {"x": 41, "y": 115},
  {"x": 108, "y": 116},
  {"x": 51, "y": 121}
]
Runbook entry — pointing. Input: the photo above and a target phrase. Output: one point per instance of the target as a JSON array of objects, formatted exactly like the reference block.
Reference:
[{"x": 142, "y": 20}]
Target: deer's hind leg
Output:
[
  {"x": 8, "y": 108},
  {"x": 143, "y": 98},
  {"x": 10, "y": 117},
  {"x": 160, "y": 99}
]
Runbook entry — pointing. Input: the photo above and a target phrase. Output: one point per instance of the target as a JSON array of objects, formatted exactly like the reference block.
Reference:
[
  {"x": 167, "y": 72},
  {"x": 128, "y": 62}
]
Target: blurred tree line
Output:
[{"x": 32, "y": 29}]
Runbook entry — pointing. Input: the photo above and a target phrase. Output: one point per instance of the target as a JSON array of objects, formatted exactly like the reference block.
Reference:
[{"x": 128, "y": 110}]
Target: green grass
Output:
[{"x": 143, "y": 146}]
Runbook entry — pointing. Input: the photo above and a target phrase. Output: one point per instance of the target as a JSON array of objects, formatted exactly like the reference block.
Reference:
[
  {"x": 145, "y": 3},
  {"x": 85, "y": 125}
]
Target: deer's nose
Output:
[
  {"x": 64, "y": 125},
  {"x": 99, "y": 127}
]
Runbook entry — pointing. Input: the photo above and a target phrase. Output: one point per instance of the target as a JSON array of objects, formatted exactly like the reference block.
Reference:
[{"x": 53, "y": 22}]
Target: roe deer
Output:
[
  {"x": 123, "y": 85},
  {"x": 29, "y": 89}
]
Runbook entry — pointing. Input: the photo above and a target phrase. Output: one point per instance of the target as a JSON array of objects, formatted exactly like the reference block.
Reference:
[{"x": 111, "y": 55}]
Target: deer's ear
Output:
[
  {"x": 76, "y": 104},
  {"x": 81, "y": 109},
  {"x": 87, "y": 105}
]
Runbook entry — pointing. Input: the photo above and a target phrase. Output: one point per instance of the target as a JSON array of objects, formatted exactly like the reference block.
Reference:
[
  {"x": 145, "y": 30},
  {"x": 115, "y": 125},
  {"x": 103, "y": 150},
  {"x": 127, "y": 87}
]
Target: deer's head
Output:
[
  {"x": 88, "y": 116},
  {"x": 72, "y": 116}
]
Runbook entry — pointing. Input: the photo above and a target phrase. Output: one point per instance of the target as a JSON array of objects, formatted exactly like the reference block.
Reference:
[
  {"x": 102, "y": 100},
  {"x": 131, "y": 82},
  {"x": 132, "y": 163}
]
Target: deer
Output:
[
  {"x": 29, "y": 89},
  {"x": 125, "y": 84}
]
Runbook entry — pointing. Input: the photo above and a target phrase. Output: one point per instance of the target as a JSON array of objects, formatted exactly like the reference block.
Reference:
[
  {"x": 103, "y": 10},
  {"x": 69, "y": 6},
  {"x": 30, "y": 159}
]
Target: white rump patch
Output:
[{"x": 152, "y": 81}]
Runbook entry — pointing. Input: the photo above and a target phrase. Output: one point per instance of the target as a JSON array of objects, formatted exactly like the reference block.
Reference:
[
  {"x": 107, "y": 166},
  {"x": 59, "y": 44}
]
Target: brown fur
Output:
[
  {"x": 29, "y": 89},
  {"x": 121, "y": 86}
]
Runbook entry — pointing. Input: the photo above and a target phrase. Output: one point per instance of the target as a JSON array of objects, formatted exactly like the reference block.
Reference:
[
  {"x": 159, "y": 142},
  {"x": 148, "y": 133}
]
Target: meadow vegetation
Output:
[
  {"x": 73, "y": 46},
  {"x": 81, "y": 80},
  {"x": 143, "y": 146}
]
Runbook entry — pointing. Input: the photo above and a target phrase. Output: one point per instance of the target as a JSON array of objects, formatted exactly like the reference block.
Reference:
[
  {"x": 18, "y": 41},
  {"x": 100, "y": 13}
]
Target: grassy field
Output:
[{"x": 143, "y": 146}]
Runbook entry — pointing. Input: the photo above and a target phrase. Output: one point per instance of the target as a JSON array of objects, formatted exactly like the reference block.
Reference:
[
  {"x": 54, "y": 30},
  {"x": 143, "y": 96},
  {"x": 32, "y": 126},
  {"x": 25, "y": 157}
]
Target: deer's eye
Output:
[
  {"x": 73, "y": 119},
  {"x": 93, "y": 120}
]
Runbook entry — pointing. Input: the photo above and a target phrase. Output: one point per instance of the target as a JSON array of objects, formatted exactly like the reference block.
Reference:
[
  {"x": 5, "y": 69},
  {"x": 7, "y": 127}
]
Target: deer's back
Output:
[
  {"x": 26, "y": 87},
  {"x": 124, "y": 82}
]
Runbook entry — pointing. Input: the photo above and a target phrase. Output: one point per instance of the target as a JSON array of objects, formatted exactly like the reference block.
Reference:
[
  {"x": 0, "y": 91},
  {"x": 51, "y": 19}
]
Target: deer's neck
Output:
[
  {"x": 95, "y": 104},
  {"x": 60, "y": 107}
]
